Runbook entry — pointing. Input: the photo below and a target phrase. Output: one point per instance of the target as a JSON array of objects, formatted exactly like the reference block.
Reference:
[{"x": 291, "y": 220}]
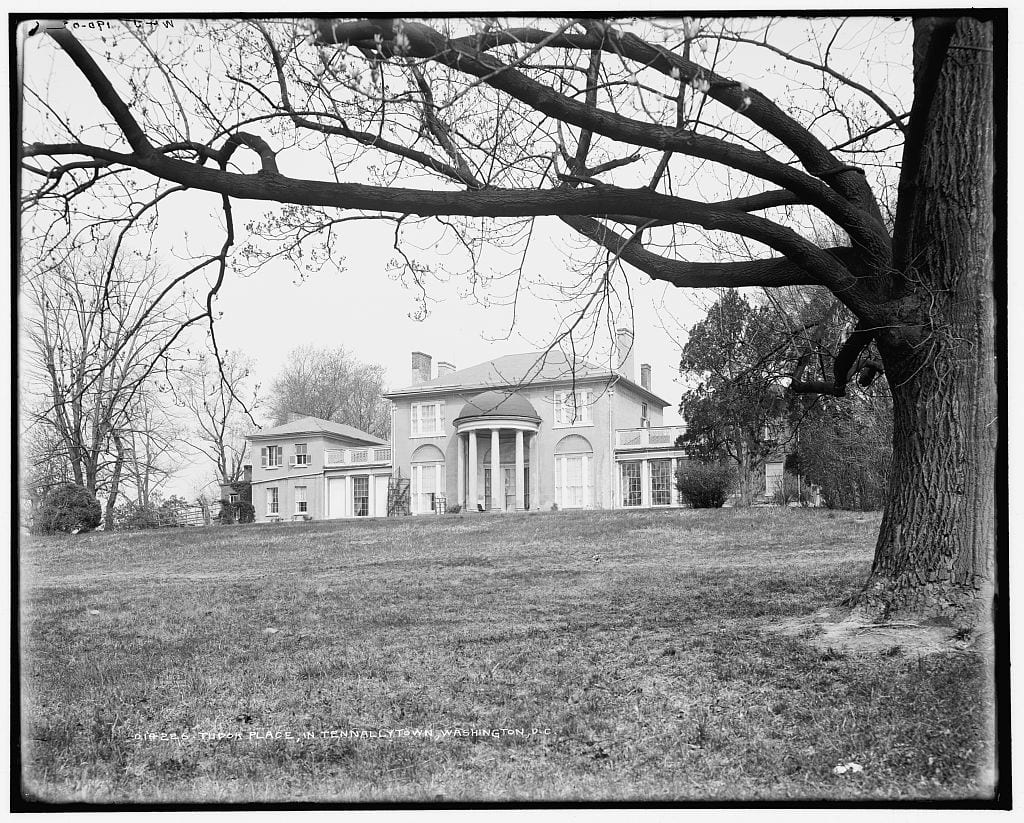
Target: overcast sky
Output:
[{"x": 362, "y": 307}]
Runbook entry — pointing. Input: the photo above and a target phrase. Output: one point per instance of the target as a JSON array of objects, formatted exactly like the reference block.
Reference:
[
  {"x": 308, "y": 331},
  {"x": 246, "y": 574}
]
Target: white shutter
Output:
[
  {"x": 559, "y": 407},
  {"x": 263, "y": 456},
  {"x": 415, "y": 419},
  {"x": 588, "y": 399},
  {"x": 559, "y": 461},
  {"x": 440, "y": 417}
]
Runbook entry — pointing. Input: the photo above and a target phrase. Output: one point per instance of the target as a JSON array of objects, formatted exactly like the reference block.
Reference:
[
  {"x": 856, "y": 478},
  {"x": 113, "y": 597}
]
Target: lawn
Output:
[{"x": 399, "y": 660}]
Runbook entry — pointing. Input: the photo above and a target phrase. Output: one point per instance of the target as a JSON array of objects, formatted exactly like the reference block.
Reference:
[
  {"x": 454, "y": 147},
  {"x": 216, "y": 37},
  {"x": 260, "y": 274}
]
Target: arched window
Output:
[
  {"x": 574, "y": 472},
  {"x": 427, "y": 477}
]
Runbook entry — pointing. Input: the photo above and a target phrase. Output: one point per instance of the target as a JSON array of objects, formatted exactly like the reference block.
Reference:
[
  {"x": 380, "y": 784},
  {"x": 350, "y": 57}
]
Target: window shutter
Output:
[
  {"x": 263, "y": 456},
  {"x": 440, "y": 416},
  {"x": 559, "y": 407},
  {"x": 558, "y": 480}
]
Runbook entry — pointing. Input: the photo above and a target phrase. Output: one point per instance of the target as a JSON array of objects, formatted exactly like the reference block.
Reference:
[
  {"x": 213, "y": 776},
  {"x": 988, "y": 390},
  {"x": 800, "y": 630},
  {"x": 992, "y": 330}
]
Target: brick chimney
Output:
[
  {"x": 420, "y": 367},
  {"x": 624, "y": 352},
  {"x": 444, "y": 367},
  {"x": 645, "y": 375}
]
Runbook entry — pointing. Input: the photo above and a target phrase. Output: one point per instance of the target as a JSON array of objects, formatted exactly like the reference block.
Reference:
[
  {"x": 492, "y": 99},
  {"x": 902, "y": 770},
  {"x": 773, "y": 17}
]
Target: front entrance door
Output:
[
  {"x": 508, "y": 486},
  {"x": 509, "y": 473}
]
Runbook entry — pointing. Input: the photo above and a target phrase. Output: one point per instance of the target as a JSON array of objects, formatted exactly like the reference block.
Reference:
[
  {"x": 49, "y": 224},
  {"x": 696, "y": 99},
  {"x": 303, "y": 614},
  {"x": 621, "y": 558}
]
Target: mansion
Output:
[{"x": 522, "y": 432}]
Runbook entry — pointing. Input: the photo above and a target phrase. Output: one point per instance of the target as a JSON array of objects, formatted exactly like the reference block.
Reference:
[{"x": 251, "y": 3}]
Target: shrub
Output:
[
  {"x": 226, "y": 515},
  {"x": 455, "y": 508},
  {"x": 705, "y": 485},
  {"x": 243, "y": 488},
  {"x": 239, "y": 512},
  {"x": 134, "y": 517},
  {"x": 245, "y": 512},
  {"x": 68, "y": 508},
  {"x": 791, "y": 490}
]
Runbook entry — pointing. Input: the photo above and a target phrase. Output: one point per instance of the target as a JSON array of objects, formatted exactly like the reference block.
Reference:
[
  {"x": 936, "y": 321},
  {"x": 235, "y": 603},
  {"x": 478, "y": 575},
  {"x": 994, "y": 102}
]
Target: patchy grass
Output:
[{"x": 635, "y": 643}]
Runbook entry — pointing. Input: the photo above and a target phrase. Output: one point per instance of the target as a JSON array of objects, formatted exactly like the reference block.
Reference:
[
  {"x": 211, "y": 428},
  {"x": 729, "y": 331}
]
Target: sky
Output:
[{"x": 360, "y": 305}]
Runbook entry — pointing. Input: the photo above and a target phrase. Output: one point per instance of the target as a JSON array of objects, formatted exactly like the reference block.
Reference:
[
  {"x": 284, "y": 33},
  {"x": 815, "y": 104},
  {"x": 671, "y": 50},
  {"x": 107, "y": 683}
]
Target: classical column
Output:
[
  {"x": 460, "y": 465},
  {"x": 520, "y": 473},
  {"x": 496, "y": 491},
  {"x": 535, "y": 471},
  {"x": 471, "y": 502},
  {"x": 645, "y": 483}
]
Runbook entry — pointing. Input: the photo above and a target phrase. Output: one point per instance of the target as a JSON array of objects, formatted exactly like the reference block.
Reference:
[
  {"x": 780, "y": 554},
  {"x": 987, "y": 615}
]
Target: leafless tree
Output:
[
  {"x": 331, "y": 384},
  {"x": 640, "y": 135},
  {"x": 152, "y": 445},
  {"x": 220, "y": 400},
  {"x": 95, "y": 353}
]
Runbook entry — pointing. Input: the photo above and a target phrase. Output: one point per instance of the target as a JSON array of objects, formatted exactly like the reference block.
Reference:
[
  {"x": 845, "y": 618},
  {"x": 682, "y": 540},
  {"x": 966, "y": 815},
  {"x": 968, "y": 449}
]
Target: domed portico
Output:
[{"x": 499, "y": 415}]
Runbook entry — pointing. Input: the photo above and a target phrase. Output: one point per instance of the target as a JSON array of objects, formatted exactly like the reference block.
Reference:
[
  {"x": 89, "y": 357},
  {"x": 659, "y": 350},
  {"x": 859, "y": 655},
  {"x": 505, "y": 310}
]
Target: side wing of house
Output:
[{"x": 315, "y": 476}]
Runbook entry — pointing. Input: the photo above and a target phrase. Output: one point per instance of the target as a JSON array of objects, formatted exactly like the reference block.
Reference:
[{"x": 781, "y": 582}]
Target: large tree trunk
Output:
[{"x": 935, "y": 552}]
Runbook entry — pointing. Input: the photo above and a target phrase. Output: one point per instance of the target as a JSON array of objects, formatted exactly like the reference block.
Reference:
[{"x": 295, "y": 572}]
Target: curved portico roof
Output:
[{"x": 501, "y": 404}]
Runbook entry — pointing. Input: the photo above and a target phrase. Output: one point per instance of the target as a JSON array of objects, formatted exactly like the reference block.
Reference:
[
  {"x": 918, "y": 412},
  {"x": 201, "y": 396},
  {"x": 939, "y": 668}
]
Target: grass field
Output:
[{"x": 310, "y": 661}]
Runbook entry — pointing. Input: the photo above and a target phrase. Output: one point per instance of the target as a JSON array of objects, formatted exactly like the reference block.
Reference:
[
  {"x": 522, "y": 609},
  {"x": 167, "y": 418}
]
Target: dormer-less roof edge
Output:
[
  {"x": 368, "y": 439},
  {"x": 425, "y": 391}
]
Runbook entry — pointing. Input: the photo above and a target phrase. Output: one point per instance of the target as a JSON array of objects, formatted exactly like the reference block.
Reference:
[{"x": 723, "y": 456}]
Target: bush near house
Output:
[
  {"x": 67, "y": 508},
  {"x": 133, "y": 517},
  {"x": 791, "y": 490},
  {"x": 239, "y": 512},
  {"x": 705, "y": 485},
  {"x": 243, "y": 488}
]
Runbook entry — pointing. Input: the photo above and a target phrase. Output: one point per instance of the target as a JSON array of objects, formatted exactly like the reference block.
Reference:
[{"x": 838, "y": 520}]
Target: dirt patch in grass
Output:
[{"x": 852, "y": 631}]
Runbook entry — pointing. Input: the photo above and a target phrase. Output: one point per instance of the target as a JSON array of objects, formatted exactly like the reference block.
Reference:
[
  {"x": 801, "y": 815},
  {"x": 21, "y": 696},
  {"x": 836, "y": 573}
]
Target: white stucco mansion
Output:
[{"x": 521, "y": 432}]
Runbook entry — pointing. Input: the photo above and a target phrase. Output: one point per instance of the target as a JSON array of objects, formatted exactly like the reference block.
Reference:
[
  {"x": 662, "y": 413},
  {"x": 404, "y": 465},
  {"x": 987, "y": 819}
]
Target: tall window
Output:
[
  {"x": 427, "y": 419},
  {"x": 272, "y": 500},
  {"x": 361, "y": 496},
  {"x": 574, "y": 468},
  {"x": 632, "y": 494},
  {"x": 301, "y": 454},
  {"x": 300, "y": 500},
  {"x": 645, "y": 421},
  {"x": 426, "y": 482},
  {"x": 573, "y": 408},
  {"x": 661, "y": 482},
  {"x": 270, "y": 456},
  {"x": 427, "y": 477}
]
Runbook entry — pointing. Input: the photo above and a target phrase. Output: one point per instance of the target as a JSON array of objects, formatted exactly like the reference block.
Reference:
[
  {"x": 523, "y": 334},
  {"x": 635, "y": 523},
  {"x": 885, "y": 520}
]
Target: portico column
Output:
[
  {"x": 496, "y": 470},
  {"x": 520, "y": 473},
  {"x": 535, "y": 472},
  {"x": 460, "y": 465},
  {"x": 471, "y": 502}
]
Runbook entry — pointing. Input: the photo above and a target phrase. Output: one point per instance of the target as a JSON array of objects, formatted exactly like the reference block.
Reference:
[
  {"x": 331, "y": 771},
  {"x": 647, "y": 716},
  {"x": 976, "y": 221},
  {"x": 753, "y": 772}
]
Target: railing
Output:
[
  {"x": 356, "y": 457},
  {"x": 656, "y": 437}
]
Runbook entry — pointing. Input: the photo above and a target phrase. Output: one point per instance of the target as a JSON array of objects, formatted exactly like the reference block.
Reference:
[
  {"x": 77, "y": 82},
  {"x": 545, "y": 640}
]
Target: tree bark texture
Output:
[{"x": 935, "y": 551}]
